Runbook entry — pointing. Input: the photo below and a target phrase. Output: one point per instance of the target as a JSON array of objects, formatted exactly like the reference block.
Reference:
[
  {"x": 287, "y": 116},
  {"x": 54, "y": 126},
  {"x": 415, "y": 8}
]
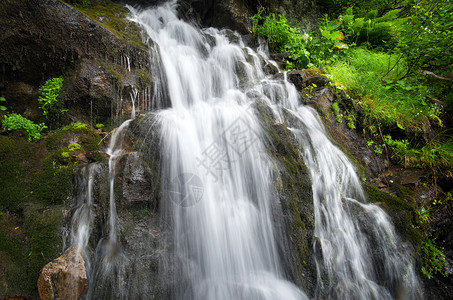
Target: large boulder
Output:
[{"x": 64, "y": 277}]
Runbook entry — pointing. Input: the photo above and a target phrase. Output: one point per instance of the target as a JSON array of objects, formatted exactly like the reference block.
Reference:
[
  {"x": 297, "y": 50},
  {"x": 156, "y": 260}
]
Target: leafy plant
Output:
[
  {"x": 423, "y": 215},
  {"x": 336, "y": 112},
  {"x": 434, "y": 261},
  {"x": 16, "y": 121},
  {"x": 50, "y": 98}
]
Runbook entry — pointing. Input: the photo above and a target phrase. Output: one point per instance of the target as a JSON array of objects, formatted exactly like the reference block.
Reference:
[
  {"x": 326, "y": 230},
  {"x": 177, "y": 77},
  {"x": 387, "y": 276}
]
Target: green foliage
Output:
[
  {"x": 435, "y": 154},
  {"x": 2, "y": 99},
  {"x": 423, "y": 215},
  {"x": 434, "y": 261},
  {"x": 282, "y": 37},
  {"x": 425, "y": 41},
  {"x": 17, "y": 122},
  {"x": 336, "y": 112},
  {"x": 50, "y": 99}
]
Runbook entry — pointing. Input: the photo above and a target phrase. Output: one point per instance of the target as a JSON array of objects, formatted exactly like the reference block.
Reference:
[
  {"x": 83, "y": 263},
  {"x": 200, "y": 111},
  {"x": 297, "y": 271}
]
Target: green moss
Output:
[
  {"x": 20, "y": 160},
  {"x": 13, "y": 257},
  {"x": 27, "y": 243},
  {"x": 33, "y": 179},
  {"x": 84, "y": 134},
  {"x": 144, "y": 79},
  {"x": 115, "y": 71},
  {"x": 112, "y": 16},
  {"x": 53, "y": 175},
  {"x": 42, "y": 227}
]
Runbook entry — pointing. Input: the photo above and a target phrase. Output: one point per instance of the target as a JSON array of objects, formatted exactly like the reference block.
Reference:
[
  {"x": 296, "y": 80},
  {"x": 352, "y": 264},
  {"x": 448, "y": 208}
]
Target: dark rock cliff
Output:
[{"x": 49, "y": 38}]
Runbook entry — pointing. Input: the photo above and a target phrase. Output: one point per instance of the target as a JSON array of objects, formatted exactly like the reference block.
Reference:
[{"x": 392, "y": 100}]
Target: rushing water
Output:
[
  {"x": 216, "y": 174},
  {"x": 217, "y": 179},
  {"x": 218, "y": 196}
]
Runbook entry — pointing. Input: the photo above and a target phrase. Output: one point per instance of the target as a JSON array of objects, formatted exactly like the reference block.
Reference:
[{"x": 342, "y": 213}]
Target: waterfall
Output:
[
  {"x": 218, "y": 199},
  {"x": 83, "y": 215},
  {"x": 217, "y": 177},
  {"x": 115, "y": 151},
  {"x": 106, "y": 264}
]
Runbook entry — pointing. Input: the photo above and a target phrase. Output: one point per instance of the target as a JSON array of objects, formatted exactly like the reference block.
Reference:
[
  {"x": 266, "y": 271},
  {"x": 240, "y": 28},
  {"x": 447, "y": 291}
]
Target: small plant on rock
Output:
[
  {"x": 50, "y": 99},
  {"x": 17, "y": 121}
]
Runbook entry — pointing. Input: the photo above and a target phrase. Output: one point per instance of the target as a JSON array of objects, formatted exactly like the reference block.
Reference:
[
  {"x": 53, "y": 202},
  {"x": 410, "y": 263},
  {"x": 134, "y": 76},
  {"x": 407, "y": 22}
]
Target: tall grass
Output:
[{"x": 368, "y": 77}]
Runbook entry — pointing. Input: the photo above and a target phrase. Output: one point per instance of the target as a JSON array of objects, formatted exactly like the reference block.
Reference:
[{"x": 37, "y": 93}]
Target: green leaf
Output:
[{"x": 399, "y": 126}]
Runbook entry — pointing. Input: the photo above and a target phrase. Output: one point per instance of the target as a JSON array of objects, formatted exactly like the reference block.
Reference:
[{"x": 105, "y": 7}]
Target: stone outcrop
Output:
[
  {"x": 50, "y": 38},
  {"x": 64, "y": 277},
  {"x": 46, "y": 37}
]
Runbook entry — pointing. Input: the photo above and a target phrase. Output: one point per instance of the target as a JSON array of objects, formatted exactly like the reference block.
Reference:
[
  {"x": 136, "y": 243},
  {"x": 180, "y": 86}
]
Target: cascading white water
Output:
[
  {"x": 216, "y": 174},
  {"x": 115, "y": 150},
  {"x": 359, "y": 251},
  {"x": 217, "y": 190},
  {"x": 106, "y": 268},
  {"x": 82, "y": 218}
]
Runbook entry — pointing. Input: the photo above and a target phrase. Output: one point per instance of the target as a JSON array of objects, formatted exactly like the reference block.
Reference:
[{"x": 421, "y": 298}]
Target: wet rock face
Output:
[
  {"x": 45, "y": 37},
  {"x": 137, "y": 184},
  {"x": 64, "y": 277},
  {"x": 49, "y": 38},
  {"x": 231, "y": 14},
  {"x": 133, "y": 270},
  {"x": 90, "y": 91},
  {"x": 293, "y": 214}
]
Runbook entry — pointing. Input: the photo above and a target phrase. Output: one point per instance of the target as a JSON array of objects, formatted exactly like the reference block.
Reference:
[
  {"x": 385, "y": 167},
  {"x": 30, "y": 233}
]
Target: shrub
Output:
[
  {"x": 17, "y": 121},
  {"x": 50, "y": 98}
]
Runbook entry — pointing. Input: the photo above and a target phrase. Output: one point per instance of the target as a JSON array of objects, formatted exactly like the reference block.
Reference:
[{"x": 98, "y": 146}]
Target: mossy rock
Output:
[
  {"x": 43, "y": 230},
  {"x": 35, "y": 180},
  {"x": 13, "y": 256},
  {"x": 112, "y": 16},
  {"x": 80, "y": 133}
]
